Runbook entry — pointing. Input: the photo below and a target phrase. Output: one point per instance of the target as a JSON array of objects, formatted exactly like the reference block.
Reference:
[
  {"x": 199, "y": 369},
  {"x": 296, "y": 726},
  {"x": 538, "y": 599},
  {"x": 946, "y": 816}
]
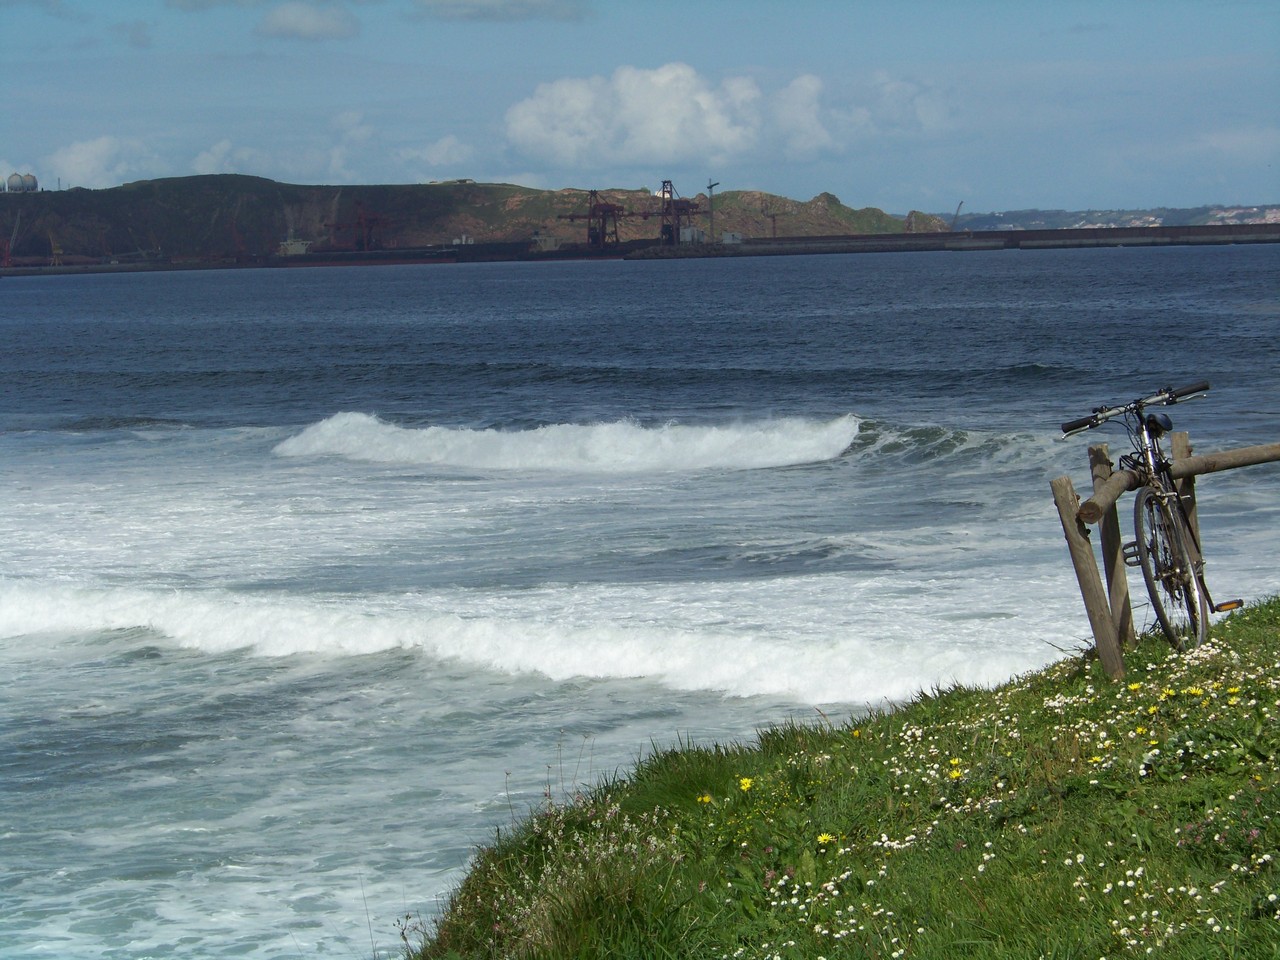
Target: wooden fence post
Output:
[
  {"x": 1086, "y": 567},
  {"x": 1180, "y": 449},
  {"x": 1100, "y": 466}
]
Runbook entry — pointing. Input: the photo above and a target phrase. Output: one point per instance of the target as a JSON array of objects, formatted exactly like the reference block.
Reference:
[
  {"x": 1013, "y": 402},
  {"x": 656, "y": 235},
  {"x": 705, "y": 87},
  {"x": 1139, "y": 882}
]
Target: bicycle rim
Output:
[{"x": 1172, "y": 585}]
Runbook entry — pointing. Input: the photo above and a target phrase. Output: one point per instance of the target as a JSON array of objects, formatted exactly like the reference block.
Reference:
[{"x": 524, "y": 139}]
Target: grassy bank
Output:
[{"x": 1061, "y": 815}]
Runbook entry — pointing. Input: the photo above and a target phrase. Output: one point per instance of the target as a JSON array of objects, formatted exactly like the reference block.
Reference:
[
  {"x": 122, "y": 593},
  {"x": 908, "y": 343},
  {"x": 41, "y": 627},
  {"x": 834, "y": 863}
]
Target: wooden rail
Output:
[
  {"x": 1108, "y": 607},
  {"x": 1103, "y": 498}
]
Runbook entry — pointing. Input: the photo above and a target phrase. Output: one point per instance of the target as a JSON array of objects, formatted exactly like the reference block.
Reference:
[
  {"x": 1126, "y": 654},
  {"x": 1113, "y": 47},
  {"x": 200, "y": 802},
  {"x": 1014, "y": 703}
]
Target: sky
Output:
[{"x": 896, "y": 104}]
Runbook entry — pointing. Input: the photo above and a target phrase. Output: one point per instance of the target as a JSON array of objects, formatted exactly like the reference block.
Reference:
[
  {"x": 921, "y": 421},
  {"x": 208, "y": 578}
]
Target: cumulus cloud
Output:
[
  {"x": 352, "y": 134},
  {"x": 225, "y": 157},
  {"x": 299, "y": 20},
  {"x": 672, "y": 114},
  {"x": 104, "y": 162},
  {"x": 1258, "y": 145},
  {"x": 504, "y": 9},
  {"x": 446, "y": 151},
  {"x": 797, "y": 115},
  {"x": 898, "y": 105},
  {"x": 636, "y": 115}
]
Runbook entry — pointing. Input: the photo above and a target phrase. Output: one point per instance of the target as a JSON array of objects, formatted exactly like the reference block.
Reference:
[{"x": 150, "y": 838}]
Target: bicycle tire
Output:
[{"x": 1176, "y": 595}]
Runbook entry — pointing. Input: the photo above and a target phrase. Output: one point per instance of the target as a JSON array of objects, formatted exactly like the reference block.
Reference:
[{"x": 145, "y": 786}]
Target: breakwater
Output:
[
  {"x": 967, "y": 240},
  {"x": 980, "y": 240}
]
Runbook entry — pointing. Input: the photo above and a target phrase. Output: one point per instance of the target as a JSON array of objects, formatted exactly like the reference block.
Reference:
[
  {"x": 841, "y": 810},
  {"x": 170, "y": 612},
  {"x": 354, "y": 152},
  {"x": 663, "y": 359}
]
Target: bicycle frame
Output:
[{"x": 1152, "y": 467}]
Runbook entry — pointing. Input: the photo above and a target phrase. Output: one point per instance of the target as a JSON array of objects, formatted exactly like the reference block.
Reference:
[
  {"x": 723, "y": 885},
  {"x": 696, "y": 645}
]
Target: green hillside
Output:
[
  {"x": 1061, "y": 815},
  {"x": 233, "y": 217}
]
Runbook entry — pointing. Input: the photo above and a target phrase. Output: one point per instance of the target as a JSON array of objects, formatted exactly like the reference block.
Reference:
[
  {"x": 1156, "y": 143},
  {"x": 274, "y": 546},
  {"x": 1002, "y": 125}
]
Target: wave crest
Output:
[{"x": 622, "y": 446}]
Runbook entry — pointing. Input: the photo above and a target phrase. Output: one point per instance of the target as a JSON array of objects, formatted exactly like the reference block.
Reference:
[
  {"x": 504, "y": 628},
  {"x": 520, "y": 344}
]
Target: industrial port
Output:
[{"x": 239, "y": 221}]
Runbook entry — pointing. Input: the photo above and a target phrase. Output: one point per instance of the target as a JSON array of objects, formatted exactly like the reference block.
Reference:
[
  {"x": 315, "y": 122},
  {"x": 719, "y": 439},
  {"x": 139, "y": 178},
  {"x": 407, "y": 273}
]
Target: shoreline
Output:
[{"x": 506, "y": 252}]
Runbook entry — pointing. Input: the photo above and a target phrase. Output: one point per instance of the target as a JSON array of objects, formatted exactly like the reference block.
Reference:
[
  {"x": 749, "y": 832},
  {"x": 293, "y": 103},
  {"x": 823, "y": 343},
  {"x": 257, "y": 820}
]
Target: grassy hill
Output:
[
  {"x": 223, "y": 217},
  {"x": 1062, "y": 815}
]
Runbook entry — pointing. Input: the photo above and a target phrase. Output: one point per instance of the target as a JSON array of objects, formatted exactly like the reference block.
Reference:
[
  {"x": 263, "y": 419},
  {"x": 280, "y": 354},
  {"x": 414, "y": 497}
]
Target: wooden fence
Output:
[{"x": 1106, "y": 594}]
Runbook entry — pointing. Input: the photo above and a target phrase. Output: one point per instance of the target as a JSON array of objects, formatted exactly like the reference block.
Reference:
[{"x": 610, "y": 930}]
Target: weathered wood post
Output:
[
  {"x": 1086, "y": 567},
  {"x": 1112, "y": 546},
  {"x": 1180, "y": 449}
]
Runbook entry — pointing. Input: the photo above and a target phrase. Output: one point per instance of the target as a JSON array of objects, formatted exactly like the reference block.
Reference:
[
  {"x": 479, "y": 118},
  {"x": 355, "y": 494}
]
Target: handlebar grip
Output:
[
  {"x": 1073, "y": 425},
  {"x": 1180, "y": 392}
]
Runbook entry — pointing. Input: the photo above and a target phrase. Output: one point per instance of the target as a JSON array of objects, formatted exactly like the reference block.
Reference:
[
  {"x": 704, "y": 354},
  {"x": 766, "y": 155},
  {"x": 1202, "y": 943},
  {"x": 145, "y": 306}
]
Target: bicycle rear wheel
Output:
[{"x": 1172, "y": 584}]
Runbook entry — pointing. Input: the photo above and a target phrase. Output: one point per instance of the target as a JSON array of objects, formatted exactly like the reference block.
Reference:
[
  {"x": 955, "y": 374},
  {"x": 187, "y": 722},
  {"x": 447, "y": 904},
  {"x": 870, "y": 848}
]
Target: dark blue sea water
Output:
[{"x": 309, "y": 579}]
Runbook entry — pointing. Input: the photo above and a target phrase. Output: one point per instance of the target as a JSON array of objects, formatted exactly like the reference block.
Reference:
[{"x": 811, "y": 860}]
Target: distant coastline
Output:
[
  {"x": 961, "y": 241},
  {"x": 233, "y": 221}
]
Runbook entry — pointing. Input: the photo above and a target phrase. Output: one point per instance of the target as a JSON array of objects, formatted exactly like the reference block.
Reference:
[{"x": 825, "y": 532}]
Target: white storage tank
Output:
[
  {"x": 29, "y": 184},
  {"x": 15, "y": 183}
]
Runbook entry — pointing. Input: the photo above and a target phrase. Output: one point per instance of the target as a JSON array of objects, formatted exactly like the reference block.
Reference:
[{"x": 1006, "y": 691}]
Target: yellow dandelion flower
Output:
[
  {"x": 955, "y": 774},
  {"x": 704, "y": 798},
  {"x": 1135, "y": 686},
  {"x": 744, "y": 783},
  {"x": 825, "y": 838},
  {"x": 954, "y": 761}
]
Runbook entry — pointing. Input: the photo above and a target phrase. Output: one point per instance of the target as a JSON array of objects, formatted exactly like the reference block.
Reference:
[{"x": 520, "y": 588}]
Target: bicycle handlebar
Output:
[
  {"x": 1071, "y": 426},
  {"x": 1101, "y": 415},
  {"x": 1179, "y": 393}
]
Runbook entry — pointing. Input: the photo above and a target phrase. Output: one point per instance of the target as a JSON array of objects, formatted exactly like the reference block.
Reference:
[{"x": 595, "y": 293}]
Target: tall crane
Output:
[
  {"x": 677, "y": 212},
  {"x": 602, "y": 219}
]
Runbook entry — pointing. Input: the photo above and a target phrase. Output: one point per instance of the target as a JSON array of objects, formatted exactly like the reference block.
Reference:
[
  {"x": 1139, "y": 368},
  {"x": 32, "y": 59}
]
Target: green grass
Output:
[{"x": 1062, "y": 815}]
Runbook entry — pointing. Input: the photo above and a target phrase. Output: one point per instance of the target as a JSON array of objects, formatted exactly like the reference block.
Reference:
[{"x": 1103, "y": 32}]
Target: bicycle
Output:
[{"x": 1166, "y": 547}]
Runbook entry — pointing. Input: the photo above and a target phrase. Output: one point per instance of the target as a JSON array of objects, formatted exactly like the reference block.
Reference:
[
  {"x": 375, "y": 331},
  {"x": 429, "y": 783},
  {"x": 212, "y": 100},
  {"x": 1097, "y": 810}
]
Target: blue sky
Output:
[{"x": 897, "y": 104}]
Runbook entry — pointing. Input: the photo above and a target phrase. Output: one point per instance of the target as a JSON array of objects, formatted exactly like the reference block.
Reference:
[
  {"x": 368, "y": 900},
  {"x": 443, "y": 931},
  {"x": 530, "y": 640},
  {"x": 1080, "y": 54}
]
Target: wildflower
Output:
[
  {"x": 704, "y": 798},
  {"x": 745, "y": 783},
  {"x": 955, "y": 774}
]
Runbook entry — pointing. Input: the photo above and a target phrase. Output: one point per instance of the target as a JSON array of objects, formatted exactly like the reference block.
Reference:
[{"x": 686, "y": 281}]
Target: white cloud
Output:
[
  {"x": 104, "y": 162},
  {"x": 898, "y": 105},
  {"x": 797, "y": 116},
  {"x": 446, "y": 151},
  {"x": 299, "y": 20},
  {"x": 353, "y": 133},
  {"x": 224, "y": 157},
  {"x": 637, "y": 116},
  {"x": 504, "y": 9},
  {"x": 1257, "y": 145}
]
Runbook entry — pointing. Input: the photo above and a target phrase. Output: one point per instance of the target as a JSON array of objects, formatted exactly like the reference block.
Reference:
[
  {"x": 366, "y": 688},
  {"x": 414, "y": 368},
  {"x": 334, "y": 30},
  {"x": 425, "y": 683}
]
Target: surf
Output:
[{"x": 621, "y": 446}]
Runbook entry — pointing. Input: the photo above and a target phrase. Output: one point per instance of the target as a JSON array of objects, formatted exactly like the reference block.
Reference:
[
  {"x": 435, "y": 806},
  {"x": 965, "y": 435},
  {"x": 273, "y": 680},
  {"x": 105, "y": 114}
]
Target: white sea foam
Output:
[
  {"x": 619, "y": 447},
  {"x": 832, "y": 646}
]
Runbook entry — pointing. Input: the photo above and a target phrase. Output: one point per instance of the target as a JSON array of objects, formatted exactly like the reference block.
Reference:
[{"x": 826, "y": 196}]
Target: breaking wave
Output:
[{"x": 622, "y": 446}]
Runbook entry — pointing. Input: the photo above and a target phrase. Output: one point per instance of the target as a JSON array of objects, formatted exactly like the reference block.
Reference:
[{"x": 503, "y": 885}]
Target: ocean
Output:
[{"x": 311, "y": 579}]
